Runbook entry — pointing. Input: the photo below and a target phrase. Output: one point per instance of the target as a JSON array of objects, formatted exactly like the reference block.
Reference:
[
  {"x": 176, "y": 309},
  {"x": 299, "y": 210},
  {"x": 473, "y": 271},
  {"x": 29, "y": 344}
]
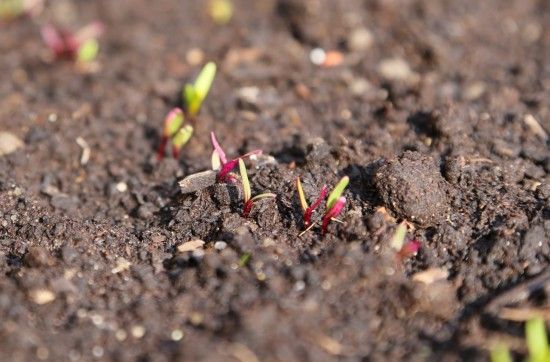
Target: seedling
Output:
[
  {"x": 174, "y": 131},
  {"x": 221, "y": 164},
  {"x": 537, "y": 344},
  {"x": 194, "y": 94},
  {"x": 11, "y": 9},
  {"x": 81, "y": 46},
  {"x": 244, "y": 259},
  {"x": 248, "y": 200},
  {"x": 335, "y": 203},
  {"x": 221, "y": 11},
  {"x": 403, "y": 249},
  {"x": 308, "y": 210}
]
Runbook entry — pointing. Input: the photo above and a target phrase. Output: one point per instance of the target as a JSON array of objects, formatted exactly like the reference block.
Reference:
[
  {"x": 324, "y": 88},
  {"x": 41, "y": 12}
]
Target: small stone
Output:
[
  {"x": 122, "y": 187},
  {"x": 431, "y": 275},
  {"x": 122, "y": 265},
  {"x": 535, "y": 127},
  {"x": 41, "y": 296},
  {"x": 360, "y": 39},
  {"x": 397, "y": 69},
  {"x": 176, "y": 335},
  {"x": 37, "y": 256},
  {"x": 359, "y": 86},
  {"x": 121, "y": 335},
  {"x": 9, "y": 143},
  {"x": 317, "y": 56},
  {"x": 474, "y": 91},
  {"x": 220, "y": 245},
  {"x": 248, "y": 97},
  {"x": 194, "y": 56},
  {"x": 190, "y": 246},
  {"x": 137, "y": 331}
]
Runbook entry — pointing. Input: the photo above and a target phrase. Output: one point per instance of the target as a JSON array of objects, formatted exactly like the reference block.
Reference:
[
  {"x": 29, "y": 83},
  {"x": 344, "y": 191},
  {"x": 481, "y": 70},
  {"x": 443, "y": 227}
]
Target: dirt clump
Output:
[{"x": 412, "y": 187}]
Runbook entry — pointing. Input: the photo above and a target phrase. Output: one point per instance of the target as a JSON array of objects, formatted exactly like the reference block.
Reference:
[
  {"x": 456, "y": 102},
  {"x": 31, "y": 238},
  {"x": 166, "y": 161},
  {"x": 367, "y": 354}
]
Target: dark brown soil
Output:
[{"x": 89, "y": 260}]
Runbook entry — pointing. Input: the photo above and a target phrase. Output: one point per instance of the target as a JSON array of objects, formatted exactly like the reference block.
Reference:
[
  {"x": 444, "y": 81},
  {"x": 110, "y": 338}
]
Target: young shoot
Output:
[
  {"x": 175, "y": 132},
  {"x": 249, "y": 201},
  {"x": 194, "y": 94},
  {"x": 404, "y": 249},
  {"x": 538, "y": 345},
  {"x": 335, "y": 203},
  {"x": 11, "y": 9},
  {"x": 81, "y": 46},
  {"x": 221, "y": 11},
  {"x": 220, "y": 162},
  {"x": 307, "y": 209}
]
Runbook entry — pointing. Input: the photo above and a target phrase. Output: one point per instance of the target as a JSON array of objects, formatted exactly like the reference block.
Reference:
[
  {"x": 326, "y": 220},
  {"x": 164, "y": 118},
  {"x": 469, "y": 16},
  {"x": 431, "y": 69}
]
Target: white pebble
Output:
[
  {"x": 220, "y": 245},
  {"x": 121, "y": 187},
  {"x": 317, "y": 56}
]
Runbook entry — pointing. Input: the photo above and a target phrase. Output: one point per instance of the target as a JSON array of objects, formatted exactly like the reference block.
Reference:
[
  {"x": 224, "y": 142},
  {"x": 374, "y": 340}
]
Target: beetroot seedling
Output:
[
  {"x": 11, "y": 9},
  {"x": 249, "y": 201},
  {"x": 81, "y": 46},
  {"x": 175, "y": 132},
  {"x": 404, "y": 249},
  {"x": 194, "y": 94},
  {"x": 224, "y": 166},
  {"x": 335, "y": 203},
  {"x": 308, "y": 210}
]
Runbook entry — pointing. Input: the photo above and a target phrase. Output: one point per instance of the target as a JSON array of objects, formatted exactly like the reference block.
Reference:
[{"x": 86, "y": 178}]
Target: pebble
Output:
[
  {"x": 360, "y": 39},
  {"x": 176, "y": 335},
  {"x": 137, "y": 331},
  {"x": 220, "y": 245},
  {"x": 122, "y": 265},
  {"x": 9, "y": 143},
  {"x": 194, "y": 56},
  {"x": 37, "y": 256},
  {"x": 317, "y": 56},
  {"x": 122, "y": 187},
  {"x": 41, "y": 296},
  {"x": 474, "y": 91},
  {"x": 190, "y": 246},
  {"x": 396, "y": 69}
]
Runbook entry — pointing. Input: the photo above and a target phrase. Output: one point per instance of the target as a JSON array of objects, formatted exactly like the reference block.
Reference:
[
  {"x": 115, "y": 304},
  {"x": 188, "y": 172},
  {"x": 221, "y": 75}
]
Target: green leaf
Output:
[
  {"x": 205, "y": 79},
  {"x": 245, "y": 259},
  {"x": 195, "y": 94},
  {"x": 11, "y": 8},
  {"x": 398, "y": 238},
  {"x": 266, "y": 195},
  {"x": 337, "y": 191},
  {"x": 88, "y": 51},
  {"x": 190, "y": 98},
  {"x": 221, "y": 11},
  {"x": 500, "y": 354},
  {"x": 244, "y": 180},
  {"x": 537, "y": 340},
  {"x": 172, "y": 123},
  {"x": 182, "y": 136}
]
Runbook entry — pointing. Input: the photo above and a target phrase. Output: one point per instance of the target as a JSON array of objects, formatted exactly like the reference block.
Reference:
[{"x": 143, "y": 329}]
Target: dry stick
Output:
[{"x": 520, "y": 292}]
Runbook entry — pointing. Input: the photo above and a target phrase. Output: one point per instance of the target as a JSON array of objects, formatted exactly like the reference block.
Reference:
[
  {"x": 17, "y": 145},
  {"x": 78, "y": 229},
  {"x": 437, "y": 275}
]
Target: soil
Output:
[{"x": 429, "y": 114}]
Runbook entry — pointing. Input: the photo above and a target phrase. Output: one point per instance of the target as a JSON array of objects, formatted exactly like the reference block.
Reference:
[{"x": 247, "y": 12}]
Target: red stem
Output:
[
  {"x": 175, "y": 152},
  {"x": 247, "y": 207},
  {"x": 162, "y": 148},
  {"x": 326, "y": 221}
]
